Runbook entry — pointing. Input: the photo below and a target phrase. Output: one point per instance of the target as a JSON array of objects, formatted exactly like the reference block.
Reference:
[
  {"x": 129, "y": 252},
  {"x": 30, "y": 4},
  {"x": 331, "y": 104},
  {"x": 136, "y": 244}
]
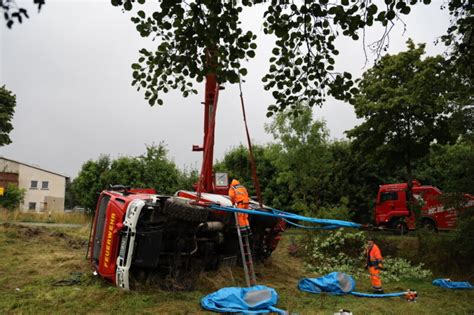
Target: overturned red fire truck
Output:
[{"x": 136, "y": 231}]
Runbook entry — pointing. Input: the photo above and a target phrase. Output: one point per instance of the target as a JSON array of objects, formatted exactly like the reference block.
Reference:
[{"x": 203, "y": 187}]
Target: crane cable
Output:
[{"x": 251, "y": 156}]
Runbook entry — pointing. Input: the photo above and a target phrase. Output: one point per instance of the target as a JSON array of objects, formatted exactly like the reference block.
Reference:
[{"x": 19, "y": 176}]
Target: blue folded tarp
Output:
[
  {"x": 448, "y": 284},
  {"x": 336, "y": 283},
  {"x": 258, "y": 299}
]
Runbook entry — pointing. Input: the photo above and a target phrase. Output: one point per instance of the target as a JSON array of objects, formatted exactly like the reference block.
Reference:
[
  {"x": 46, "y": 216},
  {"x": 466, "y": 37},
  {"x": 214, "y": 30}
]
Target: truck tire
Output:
[
  {"x": 183, "y": 209},
  {"x": 428, "y": 225},
  {"x": 399, "y": 227}
]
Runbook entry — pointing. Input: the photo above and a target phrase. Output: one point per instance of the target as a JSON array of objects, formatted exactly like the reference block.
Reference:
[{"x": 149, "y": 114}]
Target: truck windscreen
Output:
[{"x": 99, "y": 227}]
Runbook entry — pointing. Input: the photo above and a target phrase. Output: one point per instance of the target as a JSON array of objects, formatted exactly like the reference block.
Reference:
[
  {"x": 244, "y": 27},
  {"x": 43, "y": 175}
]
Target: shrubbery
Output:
[
  {"x": 339, "y": 212},
  {"x": 396, "y": 269},
  {"x": 12, "y": 198},
  {"x": 335, "y": 251},
  {"x": 150, "y": 170},
  {"x": 453, "y": 252},
  {"x": 343, "y": 251}
]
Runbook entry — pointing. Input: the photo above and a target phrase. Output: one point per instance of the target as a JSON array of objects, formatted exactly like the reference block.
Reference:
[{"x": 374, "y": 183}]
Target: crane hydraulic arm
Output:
[{"x": 206, "y": 181}]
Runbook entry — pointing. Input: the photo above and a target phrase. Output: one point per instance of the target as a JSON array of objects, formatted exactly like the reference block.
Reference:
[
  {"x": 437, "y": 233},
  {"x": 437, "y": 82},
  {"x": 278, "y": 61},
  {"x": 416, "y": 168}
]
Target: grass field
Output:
[
  {"x": 33, "y": 260},
  {"x": 53, "y": 217}
]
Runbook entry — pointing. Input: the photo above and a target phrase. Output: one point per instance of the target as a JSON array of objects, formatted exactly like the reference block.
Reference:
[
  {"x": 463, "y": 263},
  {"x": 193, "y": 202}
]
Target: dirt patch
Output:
[
  {"x": 71, "y": 241},
  {"x": 26, "y": 231},
  {"x": 29, "y": 232}
]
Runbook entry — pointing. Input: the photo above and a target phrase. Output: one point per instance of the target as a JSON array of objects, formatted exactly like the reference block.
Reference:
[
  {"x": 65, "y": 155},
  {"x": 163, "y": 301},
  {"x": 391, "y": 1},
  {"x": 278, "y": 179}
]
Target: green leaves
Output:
[
  {"x": 200, "y": 37},
  {"x": 152, "y": 169},
  {"x": 127, "y": 5},
  {"x": 390, "y": 15},
  {"x": 13, "y": 197},
  {"x": 458, "y": 39},
  {"x": 405, "y": 101},
  {"x": 372, "y": 9},
  {"x": 302, "y": 64},
  {"x": 194, "y": 40},
  {"x": 349, "y": 256},
  {"x": 7, "y": 110},
  {"x": 13, "y": 12}
]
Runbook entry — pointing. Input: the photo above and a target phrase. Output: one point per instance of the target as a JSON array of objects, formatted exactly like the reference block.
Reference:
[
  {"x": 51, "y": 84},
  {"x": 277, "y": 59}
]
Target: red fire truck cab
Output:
[{"x": 391, "y": 208}]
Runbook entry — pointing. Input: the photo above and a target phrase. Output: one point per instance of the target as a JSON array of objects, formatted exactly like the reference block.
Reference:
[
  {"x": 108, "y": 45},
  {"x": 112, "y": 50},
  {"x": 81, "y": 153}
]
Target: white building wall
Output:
[{"x": 53, "y": 195}]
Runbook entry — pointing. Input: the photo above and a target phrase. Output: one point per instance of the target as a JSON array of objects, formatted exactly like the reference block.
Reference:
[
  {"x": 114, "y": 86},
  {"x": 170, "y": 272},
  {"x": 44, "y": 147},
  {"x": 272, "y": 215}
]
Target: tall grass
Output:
[
  {"x": 54, "y": 217},
  {"x": 32, "y": 260}
]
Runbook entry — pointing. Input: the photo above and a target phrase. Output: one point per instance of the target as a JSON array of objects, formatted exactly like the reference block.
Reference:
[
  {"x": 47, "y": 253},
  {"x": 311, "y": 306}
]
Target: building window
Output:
[
  {"x": 44, "y": 185},
  {"x": 32, "y": 206},
  {"x": 34, "y": 184}
]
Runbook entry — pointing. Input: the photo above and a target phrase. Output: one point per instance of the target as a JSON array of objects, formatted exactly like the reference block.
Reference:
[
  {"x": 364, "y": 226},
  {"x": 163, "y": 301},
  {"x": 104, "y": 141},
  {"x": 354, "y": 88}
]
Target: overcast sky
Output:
[{"x": 69, "y": 67}]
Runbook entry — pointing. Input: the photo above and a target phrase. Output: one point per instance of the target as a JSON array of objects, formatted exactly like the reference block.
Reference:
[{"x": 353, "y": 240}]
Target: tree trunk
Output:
[{"x": 409, "y": 193}]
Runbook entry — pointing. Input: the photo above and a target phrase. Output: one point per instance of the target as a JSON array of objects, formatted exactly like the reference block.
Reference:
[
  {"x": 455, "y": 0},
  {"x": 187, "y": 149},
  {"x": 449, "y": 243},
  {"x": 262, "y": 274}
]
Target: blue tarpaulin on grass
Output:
[
  {"x": 338, "y": 283},
  {"x": 258, "y": 299},
  {"x": 448, "y": 284}
]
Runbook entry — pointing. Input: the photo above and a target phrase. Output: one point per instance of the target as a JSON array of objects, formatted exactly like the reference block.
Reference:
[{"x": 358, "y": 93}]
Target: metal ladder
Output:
[{"x": 246, "y": 253}]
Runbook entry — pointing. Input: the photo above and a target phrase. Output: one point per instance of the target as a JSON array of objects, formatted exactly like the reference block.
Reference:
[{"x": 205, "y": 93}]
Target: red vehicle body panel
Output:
[{"x": 392, "y": 205}]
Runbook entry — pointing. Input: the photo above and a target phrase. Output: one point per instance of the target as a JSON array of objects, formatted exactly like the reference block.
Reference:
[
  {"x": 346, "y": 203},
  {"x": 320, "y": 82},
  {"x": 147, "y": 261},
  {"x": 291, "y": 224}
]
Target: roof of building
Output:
[{"x": 33, "y": 166}]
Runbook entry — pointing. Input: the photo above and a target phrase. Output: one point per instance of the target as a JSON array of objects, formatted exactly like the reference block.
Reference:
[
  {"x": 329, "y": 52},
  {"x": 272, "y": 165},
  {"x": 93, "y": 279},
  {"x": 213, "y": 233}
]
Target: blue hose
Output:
[
  {"x": 327, "y": 227},
  {"x": 373, "y": 295},
  {"x": 327, "y": 223}
]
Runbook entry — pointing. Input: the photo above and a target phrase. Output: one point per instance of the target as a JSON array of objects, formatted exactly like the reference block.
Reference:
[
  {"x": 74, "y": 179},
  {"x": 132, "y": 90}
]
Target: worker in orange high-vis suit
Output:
[
  {"x": 240, "y": 198},
  {"x": 374, "y": 265}
]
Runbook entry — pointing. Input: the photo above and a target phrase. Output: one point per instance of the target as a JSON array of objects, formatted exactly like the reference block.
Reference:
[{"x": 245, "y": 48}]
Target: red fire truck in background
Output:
[{"x": 438, "y": 211}]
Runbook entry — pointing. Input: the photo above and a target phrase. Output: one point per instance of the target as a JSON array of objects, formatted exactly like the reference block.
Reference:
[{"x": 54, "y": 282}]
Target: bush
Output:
[
  {"x": 464, "y": 235},
  {"x": 340, "y": 212},
  {"x": 388, "y": 245},
  {"x": 453, "y": 252},
  {"x": 336, "y": 251},
  {"x": 344, "y": 251},
  {"x": 396, "y": 269},
  {"x": 12, "y": 198}
]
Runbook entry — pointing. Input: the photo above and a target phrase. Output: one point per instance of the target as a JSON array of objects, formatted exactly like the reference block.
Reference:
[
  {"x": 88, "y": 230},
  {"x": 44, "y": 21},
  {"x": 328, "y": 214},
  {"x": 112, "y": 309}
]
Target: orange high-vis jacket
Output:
[
  {"x": 374, "y": 256},
  {"x": 238, "y": 194}
]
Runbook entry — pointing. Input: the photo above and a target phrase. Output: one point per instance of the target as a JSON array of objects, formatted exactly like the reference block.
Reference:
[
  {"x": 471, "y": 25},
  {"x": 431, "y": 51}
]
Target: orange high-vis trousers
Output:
[
  {"x": 375, "y": 278},
  {"x": 243, "y": 218}
]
